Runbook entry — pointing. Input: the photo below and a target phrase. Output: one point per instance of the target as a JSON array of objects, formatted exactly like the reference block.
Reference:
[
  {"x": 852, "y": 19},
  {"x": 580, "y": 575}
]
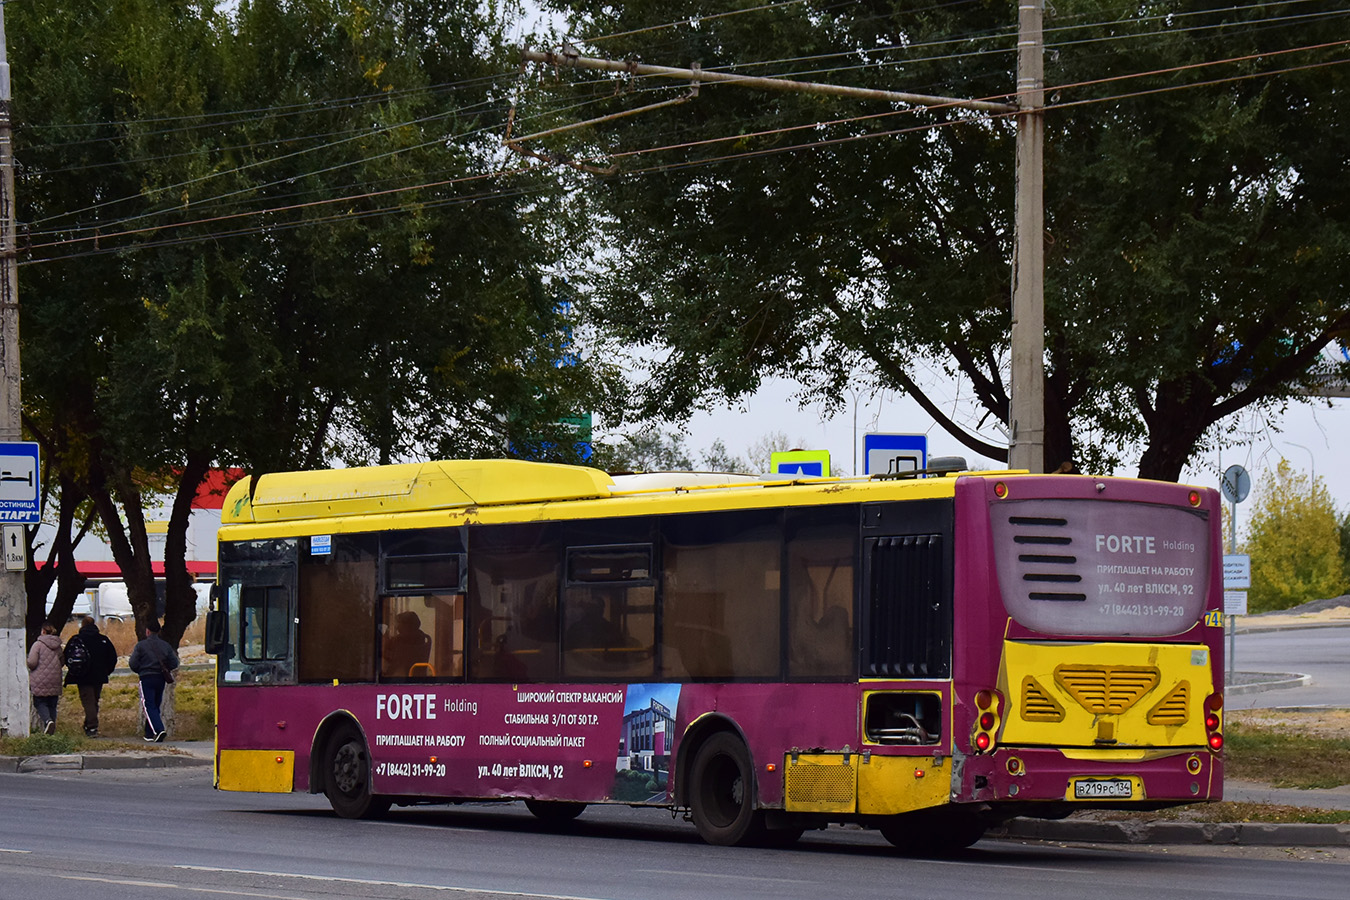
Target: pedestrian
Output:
[
  {"x": 44, "y": 679},
  {"x": 154, "y": 661},
  {"x": 90, "y": 658}
]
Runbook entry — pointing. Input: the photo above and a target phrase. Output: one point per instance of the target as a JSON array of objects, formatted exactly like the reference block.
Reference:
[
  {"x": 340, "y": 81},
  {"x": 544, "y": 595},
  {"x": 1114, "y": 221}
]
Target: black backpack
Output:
[{"x": 78, "y": 662}]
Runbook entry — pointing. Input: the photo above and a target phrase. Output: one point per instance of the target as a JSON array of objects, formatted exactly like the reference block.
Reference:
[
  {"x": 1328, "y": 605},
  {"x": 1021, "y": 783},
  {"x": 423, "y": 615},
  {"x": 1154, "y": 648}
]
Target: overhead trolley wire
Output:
[{"x": 748, "y": 154}]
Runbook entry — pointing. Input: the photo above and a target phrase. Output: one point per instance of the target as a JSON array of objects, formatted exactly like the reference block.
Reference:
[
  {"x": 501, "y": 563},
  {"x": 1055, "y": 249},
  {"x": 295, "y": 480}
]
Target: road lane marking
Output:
[
  {"x": 182, "y": 887},
  {"x": 396, "y": 884}
]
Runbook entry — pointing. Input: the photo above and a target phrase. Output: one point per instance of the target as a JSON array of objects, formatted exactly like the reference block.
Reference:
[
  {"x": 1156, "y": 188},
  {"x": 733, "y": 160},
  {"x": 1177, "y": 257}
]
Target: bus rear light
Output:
[
  {"x": 771, "y": 767},
  {"x": 1015, "y": 766},
  {"x": 987, "y": 722},
  {"x": 1211, "y": 722},
  {"x": 1214, "y": 702},
  {"x": 1216, "y": 741},
  {"x": 1193, "y": 765},
  {"x": 1194, "y": 498},
  {"x": 919, "y": 773},
  {"x": 1000, "y": 490}
]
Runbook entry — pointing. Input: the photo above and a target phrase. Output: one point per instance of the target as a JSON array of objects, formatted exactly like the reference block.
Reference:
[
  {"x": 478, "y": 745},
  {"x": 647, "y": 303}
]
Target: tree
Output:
[
  {"x": 272, "y": 237},
  {"x": 1345, "y": 546},
  {"x": 1294, "y": 542},
  {"x": 1198, "y": 234}
]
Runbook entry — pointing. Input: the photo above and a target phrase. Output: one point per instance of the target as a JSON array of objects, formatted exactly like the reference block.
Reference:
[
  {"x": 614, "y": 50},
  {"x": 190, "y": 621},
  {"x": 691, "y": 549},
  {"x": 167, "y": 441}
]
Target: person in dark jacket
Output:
[
  {"x": 44, "y": 675},
  {"x": 151, "y": 659},
  {"x": 90, "y": 658}
]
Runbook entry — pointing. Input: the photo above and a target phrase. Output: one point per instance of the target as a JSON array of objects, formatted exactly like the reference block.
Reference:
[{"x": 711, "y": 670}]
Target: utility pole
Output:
[
  {"x": 15, "y": 705},
  {"x": 1026, "y": 415}
]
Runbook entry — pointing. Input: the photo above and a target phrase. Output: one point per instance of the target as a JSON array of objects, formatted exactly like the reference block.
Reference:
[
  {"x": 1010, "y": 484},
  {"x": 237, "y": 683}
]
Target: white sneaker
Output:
[{"x": 49, "y": 728}]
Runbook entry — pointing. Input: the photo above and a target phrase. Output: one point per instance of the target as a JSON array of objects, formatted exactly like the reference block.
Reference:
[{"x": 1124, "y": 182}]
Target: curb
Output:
[
  {"x": 75, "y": 762},
  {"x": 1245, "y": 833},
  {"x": 1282, "y": 681}
]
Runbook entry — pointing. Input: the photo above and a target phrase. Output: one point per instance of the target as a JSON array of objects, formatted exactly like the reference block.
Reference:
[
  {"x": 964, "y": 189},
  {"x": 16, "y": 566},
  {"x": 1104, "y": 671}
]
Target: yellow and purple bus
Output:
[{"x": 927, "y": 655}]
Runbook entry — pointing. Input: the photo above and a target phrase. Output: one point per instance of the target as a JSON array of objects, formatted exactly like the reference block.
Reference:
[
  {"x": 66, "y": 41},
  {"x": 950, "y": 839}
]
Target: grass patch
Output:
[
  {"x": 190, "y": 712},
  {"x": 1284, "y": 757},
  {"x": 39, "y": 745}
]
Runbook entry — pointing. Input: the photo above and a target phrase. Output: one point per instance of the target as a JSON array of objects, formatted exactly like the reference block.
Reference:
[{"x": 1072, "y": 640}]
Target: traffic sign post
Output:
[
  {"x": 1236, "y": 484},
  {"x": 893, "y": 454}
]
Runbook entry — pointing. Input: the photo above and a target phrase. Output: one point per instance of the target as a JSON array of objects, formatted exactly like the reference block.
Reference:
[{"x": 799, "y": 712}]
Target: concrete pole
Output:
[
  {"x": 1026, "y": 443},
  {"x": 15, "y": 705}
]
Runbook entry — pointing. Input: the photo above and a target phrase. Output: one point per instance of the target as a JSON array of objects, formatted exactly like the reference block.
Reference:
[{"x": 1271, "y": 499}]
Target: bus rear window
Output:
[{"x": 1096, "y": 567}]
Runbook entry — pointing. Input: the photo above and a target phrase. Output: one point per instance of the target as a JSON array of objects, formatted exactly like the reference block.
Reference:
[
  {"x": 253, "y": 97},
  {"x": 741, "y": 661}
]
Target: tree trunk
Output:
[
  {"x": 129, "y": 543},
  {"x": 180, "y": 601}
]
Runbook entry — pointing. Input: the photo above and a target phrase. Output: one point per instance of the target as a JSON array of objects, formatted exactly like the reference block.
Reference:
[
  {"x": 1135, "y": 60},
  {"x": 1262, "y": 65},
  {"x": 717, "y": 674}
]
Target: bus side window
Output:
[
  {"x": 422, "y": 638},
  {"x": 721, "y": 588},
  {"x": 820, "y": 595},
  {"x": 513, "y": 598},
  {"x": 609, "y": 613}
]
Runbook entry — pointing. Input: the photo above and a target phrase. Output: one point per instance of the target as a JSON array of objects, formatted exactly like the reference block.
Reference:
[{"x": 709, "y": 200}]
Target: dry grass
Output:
[
  {"x": 123, "y": 635},
  {"x": 189, "y": 706}
]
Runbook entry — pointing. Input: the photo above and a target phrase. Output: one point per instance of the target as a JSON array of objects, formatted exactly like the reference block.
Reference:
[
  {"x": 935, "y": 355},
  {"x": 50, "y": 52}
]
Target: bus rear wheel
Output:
[
  {"x": 347, "y": 776},
  {"x": 722, "y": 797},
  {"x": 554, "y": 812},
  {"x": 934, "y": 832}
]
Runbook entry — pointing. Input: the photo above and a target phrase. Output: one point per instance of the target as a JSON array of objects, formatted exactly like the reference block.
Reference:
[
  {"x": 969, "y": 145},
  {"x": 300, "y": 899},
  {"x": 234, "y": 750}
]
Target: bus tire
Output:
[
  {"x": 346, "y": 782},
  {"x": 722, "y": 795},
  {"x": 554, "y": 812},
  {"x": 934, "y": 832}
]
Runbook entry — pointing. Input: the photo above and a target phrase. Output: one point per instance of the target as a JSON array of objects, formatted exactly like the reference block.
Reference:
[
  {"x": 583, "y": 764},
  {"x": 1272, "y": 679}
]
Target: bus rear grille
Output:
[
  {"x": 820, "y": 786},
  {"x": 1037, "y": 704},
  {"x": 1174, "y": 709},
  {"x": 1106, "y": 689}
]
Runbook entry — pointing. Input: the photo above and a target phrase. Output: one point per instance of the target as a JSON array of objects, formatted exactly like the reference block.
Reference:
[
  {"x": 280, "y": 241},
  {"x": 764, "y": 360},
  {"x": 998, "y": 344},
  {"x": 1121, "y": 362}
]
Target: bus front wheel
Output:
[
  {"x": 347, "y": 776},
  {"x": 722, "y": 796}
]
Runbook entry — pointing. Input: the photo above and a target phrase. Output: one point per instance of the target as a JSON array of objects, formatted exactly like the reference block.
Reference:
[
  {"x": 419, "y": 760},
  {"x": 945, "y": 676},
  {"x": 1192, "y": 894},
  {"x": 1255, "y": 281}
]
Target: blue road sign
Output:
[
  {"x": 808, "y": 463},
  {"x": 20, "y": 484},
  {"x": 891, "y": 454}
]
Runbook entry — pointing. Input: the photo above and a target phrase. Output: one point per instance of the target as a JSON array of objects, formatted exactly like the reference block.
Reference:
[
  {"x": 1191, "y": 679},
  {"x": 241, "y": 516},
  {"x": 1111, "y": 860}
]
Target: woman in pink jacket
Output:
[{"x": 44, "y": 675}]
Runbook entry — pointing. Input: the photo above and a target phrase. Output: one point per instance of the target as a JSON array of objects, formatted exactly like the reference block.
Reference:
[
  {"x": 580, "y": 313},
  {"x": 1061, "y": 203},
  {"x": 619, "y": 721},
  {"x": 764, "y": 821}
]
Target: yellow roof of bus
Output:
[{"x": 503, "y": 490}]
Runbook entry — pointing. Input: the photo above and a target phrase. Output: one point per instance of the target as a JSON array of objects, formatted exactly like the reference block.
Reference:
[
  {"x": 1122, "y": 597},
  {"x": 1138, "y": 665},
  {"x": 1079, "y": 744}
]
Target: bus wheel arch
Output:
[
  {"x": 694, "y": 737},
  {"x": 722, "y": 791},
  {"x": 345, "y": 769}
]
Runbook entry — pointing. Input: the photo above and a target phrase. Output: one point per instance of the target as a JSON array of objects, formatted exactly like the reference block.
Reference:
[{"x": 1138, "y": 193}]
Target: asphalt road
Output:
[
  {"x": 1322, "y": 653},
  {"x": 150, "y": 834}
]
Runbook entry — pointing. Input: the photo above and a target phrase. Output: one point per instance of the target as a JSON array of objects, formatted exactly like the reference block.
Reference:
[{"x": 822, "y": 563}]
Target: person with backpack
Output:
[
  {"x": 154, "y": 661},
  {"x": 90, "y": 658}
]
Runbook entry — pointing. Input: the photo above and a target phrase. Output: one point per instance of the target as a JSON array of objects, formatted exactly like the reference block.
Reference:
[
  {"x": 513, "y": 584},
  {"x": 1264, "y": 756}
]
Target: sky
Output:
[{"x": 1312, "y": 436}]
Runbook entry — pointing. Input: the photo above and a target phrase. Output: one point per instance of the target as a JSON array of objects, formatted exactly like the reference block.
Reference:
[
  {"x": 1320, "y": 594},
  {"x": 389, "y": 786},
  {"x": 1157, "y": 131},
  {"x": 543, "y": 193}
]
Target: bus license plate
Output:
[{"x": 1106, "y": 788}]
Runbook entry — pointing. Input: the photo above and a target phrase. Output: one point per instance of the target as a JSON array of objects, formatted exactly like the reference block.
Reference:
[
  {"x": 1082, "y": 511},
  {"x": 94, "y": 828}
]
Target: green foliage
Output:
[
  {"x": 1197, "y": 229},
  {"x": 1294, "y": 542},
  {"x": 272, "y": 235}
]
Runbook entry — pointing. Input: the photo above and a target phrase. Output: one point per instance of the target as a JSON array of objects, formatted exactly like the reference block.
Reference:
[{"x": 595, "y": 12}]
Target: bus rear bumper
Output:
[{"x": 1119, "y": 779}]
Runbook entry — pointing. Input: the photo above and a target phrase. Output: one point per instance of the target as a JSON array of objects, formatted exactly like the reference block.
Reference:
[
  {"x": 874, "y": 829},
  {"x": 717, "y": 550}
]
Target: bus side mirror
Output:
[{"x": 217, "y": 631}]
